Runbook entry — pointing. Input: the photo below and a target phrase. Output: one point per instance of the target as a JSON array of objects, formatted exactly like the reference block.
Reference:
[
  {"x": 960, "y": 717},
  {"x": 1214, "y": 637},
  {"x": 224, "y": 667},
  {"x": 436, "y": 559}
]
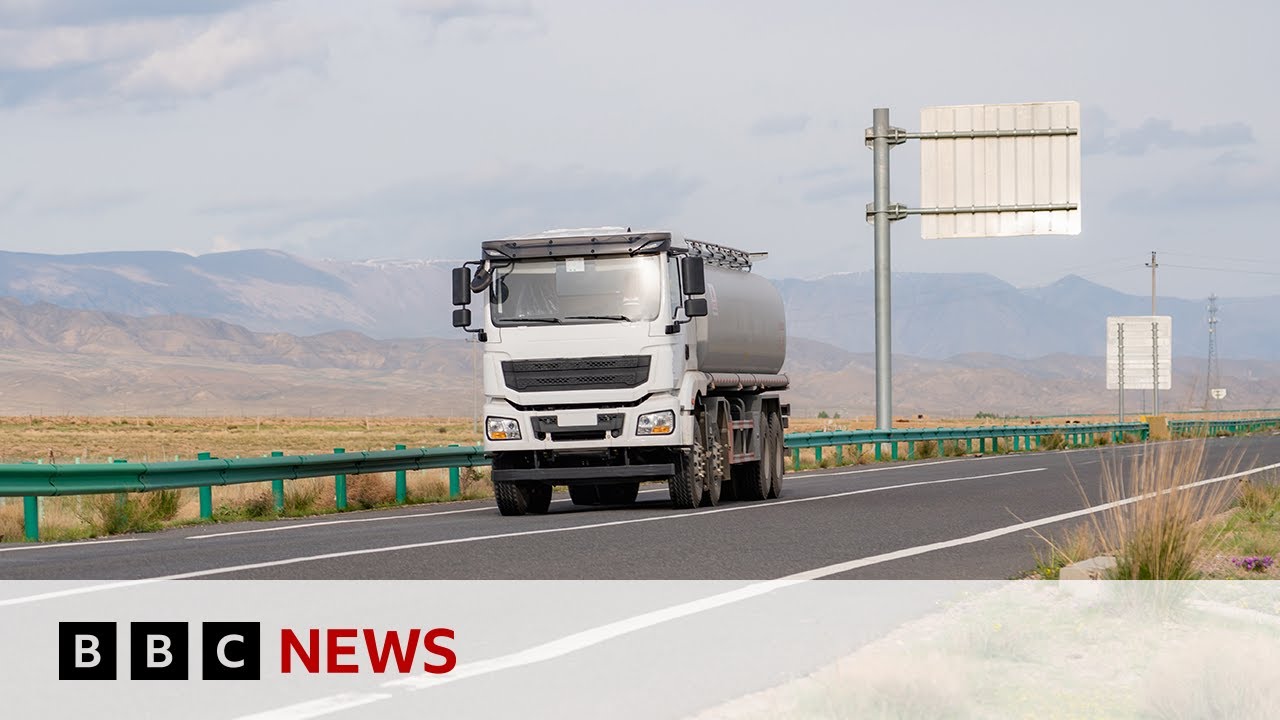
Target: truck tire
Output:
[
  {"x": 619, "y": 493},
  {"x": 691, "y": 469},
  {"x": 777, "y": 453},
  {"x": 516, "y": 499},
  {"x": 584, "y": 494},
  {"x": 717, "y": 473}
]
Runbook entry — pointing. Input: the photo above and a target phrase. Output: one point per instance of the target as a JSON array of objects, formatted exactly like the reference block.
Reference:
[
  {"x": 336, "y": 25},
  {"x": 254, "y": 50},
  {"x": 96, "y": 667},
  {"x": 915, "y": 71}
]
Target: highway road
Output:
[
  {"x": 580, "y": 649},
  {"x": 963, "y": 518}
]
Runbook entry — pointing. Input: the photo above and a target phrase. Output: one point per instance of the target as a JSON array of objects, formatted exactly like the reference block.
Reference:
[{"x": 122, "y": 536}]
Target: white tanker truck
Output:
[{"x": 614, "y": 357}]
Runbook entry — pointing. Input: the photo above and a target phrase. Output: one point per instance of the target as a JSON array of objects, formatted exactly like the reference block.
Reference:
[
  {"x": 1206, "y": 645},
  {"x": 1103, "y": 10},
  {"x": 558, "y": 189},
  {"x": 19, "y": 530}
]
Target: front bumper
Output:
[
  {"x": 586, "y": 428},
  {"x": 596, "y": 475}
]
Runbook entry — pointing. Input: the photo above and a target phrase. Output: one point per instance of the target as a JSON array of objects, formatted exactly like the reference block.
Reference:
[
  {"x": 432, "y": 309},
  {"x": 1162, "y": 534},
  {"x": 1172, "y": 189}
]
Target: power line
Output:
[{"x": 1221, "y": 269}]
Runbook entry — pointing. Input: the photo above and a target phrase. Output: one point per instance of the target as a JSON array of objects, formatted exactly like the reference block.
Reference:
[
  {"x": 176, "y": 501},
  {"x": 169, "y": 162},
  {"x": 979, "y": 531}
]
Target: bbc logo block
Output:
[
  {"x": 160, "y": 651},
  {"x": 231, "y": 651},
  {"x": 86, "y": 651}
]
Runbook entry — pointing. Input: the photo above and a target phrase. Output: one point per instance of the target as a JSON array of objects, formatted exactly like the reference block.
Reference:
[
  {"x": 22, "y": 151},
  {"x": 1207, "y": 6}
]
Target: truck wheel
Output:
[
  {"x": 752, "y": 483},
  {"x": 539, "y": 498},
  {"x": 511, "y": 498},
  {"x": 618, "y": 494},
  {"x": 584, "y": 495},
  {"x": 516, "y": 499},
  {"x": 776, "y": 456},
  {"x": 691, "y": 470},
  {"x": 717, "y": 473}
]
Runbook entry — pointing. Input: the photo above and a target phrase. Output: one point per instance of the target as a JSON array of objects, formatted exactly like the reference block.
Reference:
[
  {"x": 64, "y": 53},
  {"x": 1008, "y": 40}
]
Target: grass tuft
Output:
[
  {"x": 1053, "y": 441},
  {"x": 1161, "y": 534}
]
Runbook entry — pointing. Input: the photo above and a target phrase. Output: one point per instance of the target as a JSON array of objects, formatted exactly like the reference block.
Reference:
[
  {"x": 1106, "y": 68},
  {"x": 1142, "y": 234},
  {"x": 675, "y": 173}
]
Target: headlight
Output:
[
  {"x": 497, "y": 428},
  {"x": 656, "y": 423}
]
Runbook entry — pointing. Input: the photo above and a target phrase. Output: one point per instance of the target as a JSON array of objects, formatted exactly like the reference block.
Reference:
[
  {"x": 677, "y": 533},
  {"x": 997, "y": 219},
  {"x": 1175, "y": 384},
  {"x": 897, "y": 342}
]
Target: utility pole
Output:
[
  {"x": 1213, "y": 377},
  {"x": 1155, "y": 337}
]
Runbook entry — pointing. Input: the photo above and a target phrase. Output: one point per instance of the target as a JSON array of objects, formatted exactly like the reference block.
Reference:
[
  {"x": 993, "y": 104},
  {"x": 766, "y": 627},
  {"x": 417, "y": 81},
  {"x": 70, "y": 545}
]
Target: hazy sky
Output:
[{"x": 417, "y": 128}]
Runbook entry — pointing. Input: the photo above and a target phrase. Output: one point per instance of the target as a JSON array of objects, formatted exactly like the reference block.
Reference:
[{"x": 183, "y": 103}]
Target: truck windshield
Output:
[{"x": 577, "y": 290}]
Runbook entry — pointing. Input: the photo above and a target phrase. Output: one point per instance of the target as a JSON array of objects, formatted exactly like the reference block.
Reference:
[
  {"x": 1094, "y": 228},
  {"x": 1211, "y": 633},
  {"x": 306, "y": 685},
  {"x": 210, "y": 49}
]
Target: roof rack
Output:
[{"x": 722, "y": 255}]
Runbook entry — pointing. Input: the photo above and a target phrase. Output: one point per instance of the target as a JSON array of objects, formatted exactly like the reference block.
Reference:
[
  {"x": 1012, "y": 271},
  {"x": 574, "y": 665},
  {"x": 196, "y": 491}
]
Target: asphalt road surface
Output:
[{"x": 963, "y": 518}]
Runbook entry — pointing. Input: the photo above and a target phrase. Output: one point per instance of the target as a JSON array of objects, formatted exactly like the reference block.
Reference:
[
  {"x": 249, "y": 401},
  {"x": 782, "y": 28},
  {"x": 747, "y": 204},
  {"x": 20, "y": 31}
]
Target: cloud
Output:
[
  {"x": 481, "y": 20},
  {"x": 1218, "y": 188},
  {"x": 1158, "y": 134},
  {"x": 222, "y": 244},
  {"x": 234, "y": 49},
  {"x": 38, "y": 13},
  {"x": 779, "y": 125},
  {"x": 157, "y": 56},
  {"x": 415, "y": 218}
]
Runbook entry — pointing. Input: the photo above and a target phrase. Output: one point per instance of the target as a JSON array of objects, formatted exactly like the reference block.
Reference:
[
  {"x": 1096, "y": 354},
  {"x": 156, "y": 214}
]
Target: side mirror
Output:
[
  {"x": 481, "y": 281},
  {"x": 461, "y": 289},
  {"x": 462, "y": 317},
  {"x": 693, "y": 277},
  {"x": 695, "y": 307}
]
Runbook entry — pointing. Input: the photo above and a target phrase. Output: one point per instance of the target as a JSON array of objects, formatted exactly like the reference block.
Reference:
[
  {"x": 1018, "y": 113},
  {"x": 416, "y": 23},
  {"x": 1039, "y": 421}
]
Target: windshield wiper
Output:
[
  {"x": 553, "y": 320},
  {"x": 599, "y": 317}
]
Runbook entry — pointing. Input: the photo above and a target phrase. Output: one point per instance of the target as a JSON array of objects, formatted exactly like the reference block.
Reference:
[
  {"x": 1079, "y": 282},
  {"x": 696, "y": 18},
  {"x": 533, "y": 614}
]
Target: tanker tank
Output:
[{"x": 745, "y": 330}]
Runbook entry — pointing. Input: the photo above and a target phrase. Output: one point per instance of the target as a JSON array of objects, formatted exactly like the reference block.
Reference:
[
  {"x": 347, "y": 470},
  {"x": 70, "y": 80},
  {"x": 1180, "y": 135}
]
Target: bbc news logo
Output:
[{"x": 233, "y": 651}]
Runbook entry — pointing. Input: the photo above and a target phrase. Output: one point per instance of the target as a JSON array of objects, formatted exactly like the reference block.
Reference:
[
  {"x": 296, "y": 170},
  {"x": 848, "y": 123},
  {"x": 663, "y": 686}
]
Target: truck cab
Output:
[{"x": 596, "y": 356}]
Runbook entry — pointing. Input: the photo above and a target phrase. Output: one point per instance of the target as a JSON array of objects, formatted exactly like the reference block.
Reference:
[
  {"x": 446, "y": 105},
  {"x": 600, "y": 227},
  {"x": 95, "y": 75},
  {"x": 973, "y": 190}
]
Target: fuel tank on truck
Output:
[{"x": 745, "y": 330}]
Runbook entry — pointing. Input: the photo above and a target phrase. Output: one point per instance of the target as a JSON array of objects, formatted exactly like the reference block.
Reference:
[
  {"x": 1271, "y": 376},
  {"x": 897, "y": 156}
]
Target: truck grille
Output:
[{"x": 593, "y": 373}]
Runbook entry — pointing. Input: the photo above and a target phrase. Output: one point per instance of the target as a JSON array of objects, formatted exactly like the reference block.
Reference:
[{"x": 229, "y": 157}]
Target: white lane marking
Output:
[
  {"x": 348, "y": 521},
  {"x": 77, "y": 543},
  {"x": 480, "y": 538},
  {"x": 381, "y": 518},
  {"x": 320, "y": 706}
]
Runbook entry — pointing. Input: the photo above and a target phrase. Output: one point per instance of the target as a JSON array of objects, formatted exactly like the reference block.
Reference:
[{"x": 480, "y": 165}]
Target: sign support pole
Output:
[
  {"x": 881, "y": 136},
  {"x": 1120, "y": 342}
]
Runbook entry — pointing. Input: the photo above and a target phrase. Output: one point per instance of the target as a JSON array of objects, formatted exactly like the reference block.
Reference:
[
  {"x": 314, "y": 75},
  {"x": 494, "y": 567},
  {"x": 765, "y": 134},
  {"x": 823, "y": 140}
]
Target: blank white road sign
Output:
[
  {"x": 999, "y": 171},
  {"x": 1146, "y": 344}
]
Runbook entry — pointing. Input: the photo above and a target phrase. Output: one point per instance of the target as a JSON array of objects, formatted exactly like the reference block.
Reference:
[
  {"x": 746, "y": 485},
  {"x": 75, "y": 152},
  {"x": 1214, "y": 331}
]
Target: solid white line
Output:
[
  {"x": 318, "y": 707},
  {"x": 480, "y": 538},
  {"x": 77, "y": 543},
  {"x": 348, "y": 521}
]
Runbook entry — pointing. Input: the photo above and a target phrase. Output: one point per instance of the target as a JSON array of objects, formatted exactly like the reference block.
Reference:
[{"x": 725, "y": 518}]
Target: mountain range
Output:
[
  {"x": 935, "y": 316},
  {"x": 55, "y": 361}
]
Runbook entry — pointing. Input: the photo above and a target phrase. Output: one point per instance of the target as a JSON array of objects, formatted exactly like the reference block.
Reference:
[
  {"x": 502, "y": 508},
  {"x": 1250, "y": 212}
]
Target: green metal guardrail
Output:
[
  {"x": 1019, "y": 437},
  {"x": 33, "y": 481},
  {"x": 1196, "y": 428}
]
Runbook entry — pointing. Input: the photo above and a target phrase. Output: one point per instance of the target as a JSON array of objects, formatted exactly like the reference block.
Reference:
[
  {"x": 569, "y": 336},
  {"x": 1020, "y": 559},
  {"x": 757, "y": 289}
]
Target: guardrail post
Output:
[
  {"x": 339, "y": 486},
  {"x": 206, "y": 493},
  {"x": 879, "y": 454},
  {"x": 402, "y": 491},
  {"x": 31, "y": 518},
  {"x": 795, "y": 459},
  {"x": 277, "y": 486},
  {"x": 968, "y": 446},
  {"x": 455, "y": 481},
  {"x": 857, "y": 453},
  {"x": 817, "y": 456},
  {"x": 911, "y": 449},
  {"x": 893, "y": 450},
  {"x": 839, "y": 455}
]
